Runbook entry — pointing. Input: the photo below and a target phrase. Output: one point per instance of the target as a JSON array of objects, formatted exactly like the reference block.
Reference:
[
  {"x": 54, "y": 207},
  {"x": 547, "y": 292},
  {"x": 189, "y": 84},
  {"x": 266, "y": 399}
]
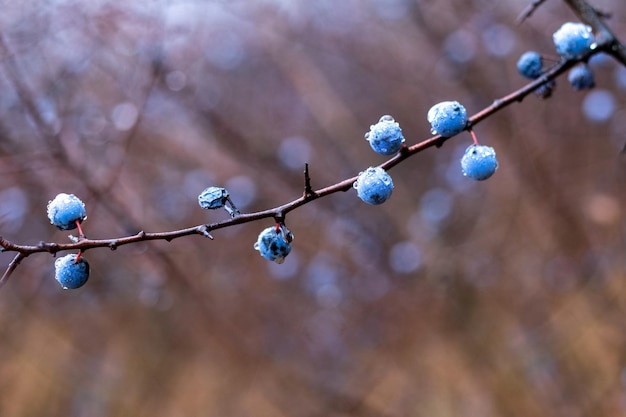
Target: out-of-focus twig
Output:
[
  {"x": 529, "y": 10},
  {"x": 14, "y": 263}
]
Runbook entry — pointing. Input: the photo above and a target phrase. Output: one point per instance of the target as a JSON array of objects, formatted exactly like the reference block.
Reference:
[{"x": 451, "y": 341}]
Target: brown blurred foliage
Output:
[{"x": 454, "y": 298}]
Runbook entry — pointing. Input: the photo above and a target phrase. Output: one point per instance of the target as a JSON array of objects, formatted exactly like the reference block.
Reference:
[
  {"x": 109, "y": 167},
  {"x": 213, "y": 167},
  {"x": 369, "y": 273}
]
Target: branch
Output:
[
  {"x": 278, "y": 213},
  {"x": 606, "y": 42},
  {"x": 529, "y": 10},
  {"x": 14, "y": 263}
]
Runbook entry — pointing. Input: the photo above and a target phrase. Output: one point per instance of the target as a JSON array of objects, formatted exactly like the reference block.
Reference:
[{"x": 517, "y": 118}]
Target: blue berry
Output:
[
  {"x": 530, "y": 65},
  {"x": 215, "y": 197},
  {"x": 581, "y": 77},
  {"x": 69, "y": 273},
  {"x": 479, "y": 162},
  {"x": 65, "y": 210},
  {"x": 274, "y": 243},
  {"x": 545, "y": 89},
  {"x": 374, "y": 185},
  {"x": 385, "y": 137},
  {"x": 447, "y": 118},
  {"x": 573, "y": 40}
]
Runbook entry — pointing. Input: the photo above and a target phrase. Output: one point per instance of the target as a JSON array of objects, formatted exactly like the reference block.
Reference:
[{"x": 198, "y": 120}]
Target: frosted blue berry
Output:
[
  {"x": 479, "y": 162},
  {"x": 573, "y": 40},
  {"x": 216, "y": 197},
  {"x": 530, "y": 65},
  {"x": 374, "y": 185},
  {"x": 70, "y": 273},
  {"x": 545, "y": 89},
  {"x": 581, "y": 77},
  {"x": 65, "y": 210},
  {"x": 447, "y": 118},
  {"x": 385, "y": 137},
  {"x": 274, "y": 243}
]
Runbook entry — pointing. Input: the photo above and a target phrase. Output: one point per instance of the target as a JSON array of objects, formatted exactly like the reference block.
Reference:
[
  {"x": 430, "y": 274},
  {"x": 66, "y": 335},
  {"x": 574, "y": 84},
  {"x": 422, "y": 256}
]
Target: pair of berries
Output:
[
  {"x": 67, "y": 212},
  {"x": 374, "y": 185},
  {"x": 572, "y": 41},
  {"x": 450, "y": 118},
  {"x": 273, "y": 243}
]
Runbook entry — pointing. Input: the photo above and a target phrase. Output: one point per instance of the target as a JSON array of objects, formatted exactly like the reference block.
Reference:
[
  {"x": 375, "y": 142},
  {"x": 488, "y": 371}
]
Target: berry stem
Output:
[
  {"x": 78, "y": 256},
  {"x": 474, "y": 138},
  {"x": 81, "y": 235}
]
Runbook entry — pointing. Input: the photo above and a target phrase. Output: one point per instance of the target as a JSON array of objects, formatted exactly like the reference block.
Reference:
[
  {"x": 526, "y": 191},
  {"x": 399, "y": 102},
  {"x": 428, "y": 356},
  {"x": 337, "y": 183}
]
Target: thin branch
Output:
[
  {"x": 280, "y": 212},
  {"x": 14, "y": 263},
  {"x": 528, "y": 11}
]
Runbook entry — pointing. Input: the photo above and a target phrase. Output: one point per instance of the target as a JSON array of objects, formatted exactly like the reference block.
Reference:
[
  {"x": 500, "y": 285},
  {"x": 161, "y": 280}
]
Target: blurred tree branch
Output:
[{"x": 529, "y": 10}]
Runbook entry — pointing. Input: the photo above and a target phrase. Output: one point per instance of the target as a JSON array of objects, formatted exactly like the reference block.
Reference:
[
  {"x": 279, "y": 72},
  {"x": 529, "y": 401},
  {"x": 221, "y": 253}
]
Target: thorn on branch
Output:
[
  {"x": 204, "y": 231},
  {"x": 113, "y": 245},
  {"x": 308, "y": 190}
]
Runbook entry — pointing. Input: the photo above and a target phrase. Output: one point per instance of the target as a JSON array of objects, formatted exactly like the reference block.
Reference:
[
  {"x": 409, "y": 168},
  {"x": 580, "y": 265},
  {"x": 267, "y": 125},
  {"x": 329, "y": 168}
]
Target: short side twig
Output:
[
  {"x": 14, "y": 263},
  {"x": 308, "y": 190}
]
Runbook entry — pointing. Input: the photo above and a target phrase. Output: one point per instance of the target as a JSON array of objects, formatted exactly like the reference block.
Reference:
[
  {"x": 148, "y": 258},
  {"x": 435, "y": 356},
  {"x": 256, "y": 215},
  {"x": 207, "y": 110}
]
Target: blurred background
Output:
[{"x": 454, "y": 298}]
